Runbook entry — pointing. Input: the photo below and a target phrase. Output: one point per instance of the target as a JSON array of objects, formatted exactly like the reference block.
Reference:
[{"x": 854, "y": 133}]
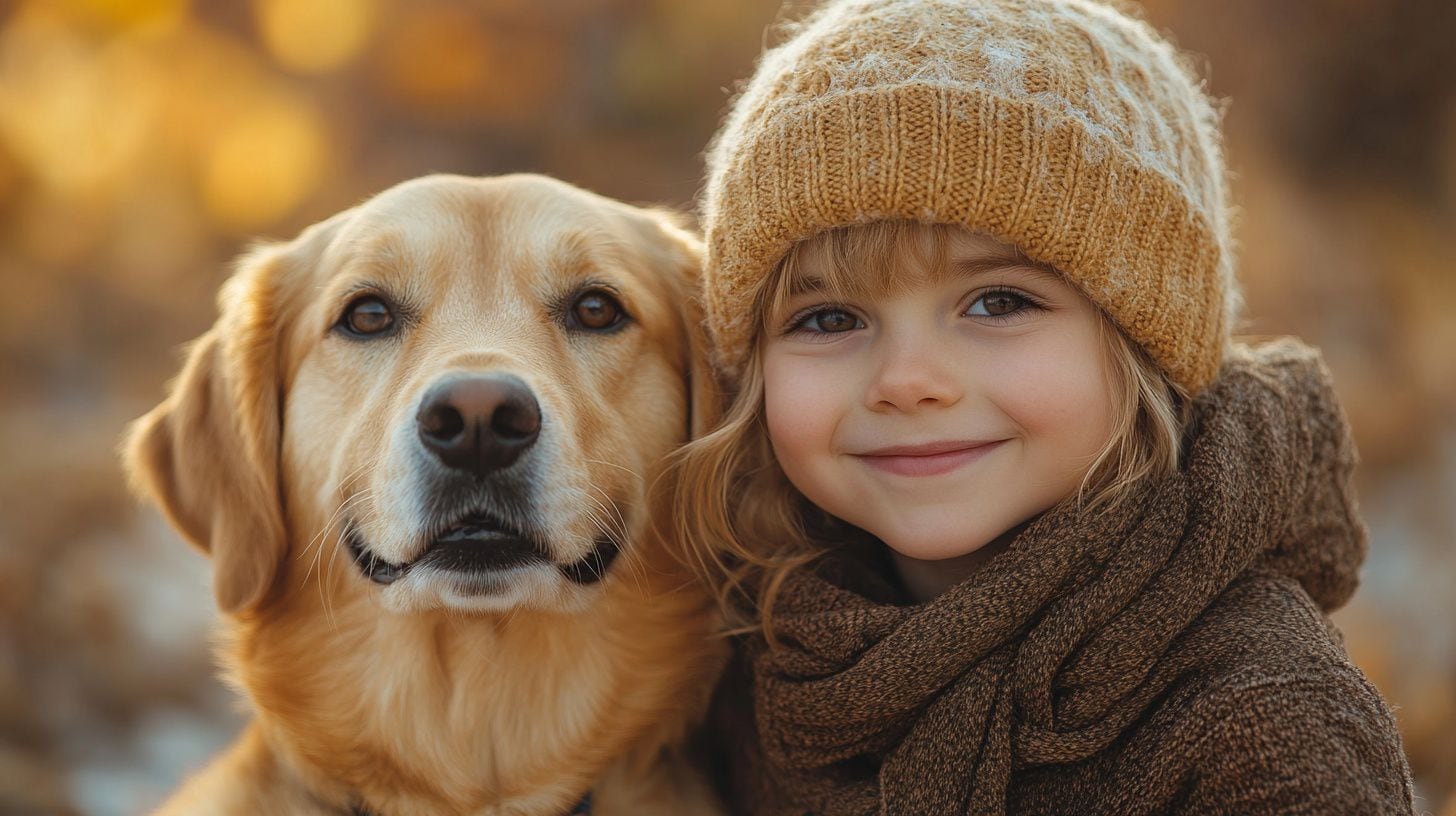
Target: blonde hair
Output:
[{"x": 743, "y": 522}]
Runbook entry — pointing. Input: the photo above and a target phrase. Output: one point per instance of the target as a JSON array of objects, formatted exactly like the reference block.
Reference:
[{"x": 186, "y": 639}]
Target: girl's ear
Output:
[{"x": 208, "y": 454}]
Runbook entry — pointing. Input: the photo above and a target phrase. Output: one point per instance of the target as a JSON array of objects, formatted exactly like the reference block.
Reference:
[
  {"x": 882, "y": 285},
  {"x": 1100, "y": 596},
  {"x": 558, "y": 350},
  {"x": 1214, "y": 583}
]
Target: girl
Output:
[{"x": 1007, "y": 521}]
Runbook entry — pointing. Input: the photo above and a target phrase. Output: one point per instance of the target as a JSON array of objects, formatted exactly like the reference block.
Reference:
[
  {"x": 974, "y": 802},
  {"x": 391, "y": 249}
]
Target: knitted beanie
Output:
[{"x": 1066, "y": 127}]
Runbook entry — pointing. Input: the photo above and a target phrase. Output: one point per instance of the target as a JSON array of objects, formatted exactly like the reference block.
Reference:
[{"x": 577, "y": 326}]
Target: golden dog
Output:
[{"x": 420, "y": 445}]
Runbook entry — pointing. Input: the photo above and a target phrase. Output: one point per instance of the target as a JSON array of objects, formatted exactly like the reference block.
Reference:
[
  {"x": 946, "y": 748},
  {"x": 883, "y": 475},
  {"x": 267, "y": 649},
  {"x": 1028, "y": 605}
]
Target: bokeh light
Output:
[{"x": 317, "y": 36}]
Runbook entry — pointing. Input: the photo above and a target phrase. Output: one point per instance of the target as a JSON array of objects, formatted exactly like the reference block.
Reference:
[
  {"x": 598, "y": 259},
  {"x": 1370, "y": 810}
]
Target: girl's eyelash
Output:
[
  {"x": 795, "y": 324},
  {"x": 1031, "y": 302}
]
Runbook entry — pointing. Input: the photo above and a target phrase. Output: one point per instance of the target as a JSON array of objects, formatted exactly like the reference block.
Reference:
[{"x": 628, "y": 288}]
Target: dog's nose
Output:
[{"x": 479, "y": 423}]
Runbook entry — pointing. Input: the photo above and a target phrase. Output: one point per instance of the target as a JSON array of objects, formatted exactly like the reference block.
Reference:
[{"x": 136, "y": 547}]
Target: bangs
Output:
[
  {"x": 881, "y": 257},
  {"x": 876, "y": 258}
]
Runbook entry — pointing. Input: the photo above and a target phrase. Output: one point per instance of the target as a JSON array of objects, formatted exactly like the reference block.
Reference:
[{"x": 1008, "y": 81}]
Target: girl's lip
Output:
[
  {"x": 930, "y": 448},
  {"x": 930, "y": 459}
]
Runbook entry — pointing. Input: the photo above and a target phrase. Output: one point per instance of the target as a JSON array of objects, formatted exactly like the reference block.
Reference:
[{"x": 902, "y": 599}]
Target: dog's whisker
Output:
[
  {"x": 600, "y": 524},
  {"x": 326, "y": 594},
  {"x": 634, "y": 473},
  {"x": 318, "y": 551},
  {"x": 348, "y": 480},
  {"x": 327, "y": 529},
  {"x": 622, "y": 522},
  {"x": 631, "y": 559},
  {"x": 606, "y": 524},
  {"x": 634, "y": 564},
  {"x": 323, "y": 596},
  {"x": 598, "y": 519},
  {"x": 346, "y": 498},
  {"x": 635, "y": 569},
  {"x": 332, "y": 517},
  {"x": 313, "y": 565},
  {"x": 358, "y": 472},
  {"x": 323, "y": 535},
  {"x": 328, "y": 602}
]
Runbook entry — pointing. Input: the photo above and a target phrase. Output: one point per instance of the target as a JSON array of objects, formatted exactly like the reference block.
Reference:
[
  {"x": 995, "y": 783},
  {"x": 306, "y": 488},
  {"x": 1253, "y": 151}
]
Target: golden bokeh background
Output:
[{"x": 143, "y": 143}]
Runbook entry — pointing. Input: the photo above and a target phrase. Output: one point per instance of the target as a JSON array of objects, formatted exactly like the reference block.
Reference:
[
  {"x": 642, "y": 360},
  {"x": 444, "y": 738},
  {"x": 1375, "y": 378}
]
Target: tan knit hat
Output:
[{"x": 1066, "y": 127}]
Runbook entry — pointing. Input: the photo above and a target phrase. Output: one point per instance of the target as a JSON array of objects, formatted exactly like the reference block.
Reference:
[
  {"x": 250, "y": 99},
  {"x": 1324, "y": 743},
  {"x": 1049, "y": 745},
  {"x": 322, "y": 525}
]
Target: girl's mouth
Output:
[{"x": 927, "y": 460}]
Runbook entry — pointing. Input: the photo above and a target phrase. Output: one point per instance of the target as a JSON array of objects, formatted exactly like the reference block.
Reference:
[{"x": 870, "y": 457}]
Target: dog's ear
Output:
[
  {"x": 705, "y": 392},
  {"x": 208, "y": 454}
]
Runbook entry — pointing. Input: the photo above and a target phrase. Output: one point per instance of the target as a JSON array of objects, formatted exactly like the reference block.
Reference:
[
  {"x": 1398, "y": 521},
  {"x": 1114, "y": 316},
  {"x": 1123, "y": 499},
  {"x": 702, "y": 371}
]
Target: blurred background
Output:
[{"x": 143, "y": 143}]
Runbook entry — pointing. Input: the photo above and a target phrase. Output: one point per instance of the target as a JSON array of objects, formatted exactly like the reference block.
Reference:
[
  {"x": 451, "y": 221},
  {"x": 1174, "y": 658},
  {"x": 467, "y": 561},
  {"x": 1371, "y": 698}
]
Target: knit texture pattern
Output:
[
  {"x": 1169, "y": 655},
  {"x": 1065, "y": 127}
]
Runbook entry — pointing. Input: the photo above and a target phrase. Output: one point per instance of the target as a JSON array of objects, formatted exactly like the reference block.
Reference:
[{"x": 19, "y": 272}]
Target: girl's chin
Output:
[
  {"x": 941, "y": 536},
  {"x": 936, "y": 548},
  {"x": 956, "y": 539}
]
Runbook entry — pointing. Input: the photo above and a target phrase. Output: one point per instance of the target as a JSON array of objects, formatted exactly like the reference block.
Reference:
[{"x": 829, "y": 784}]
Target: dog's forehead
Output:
[
  {"x": 461, "y": 250},
  {"x": 475, "y": 223}
]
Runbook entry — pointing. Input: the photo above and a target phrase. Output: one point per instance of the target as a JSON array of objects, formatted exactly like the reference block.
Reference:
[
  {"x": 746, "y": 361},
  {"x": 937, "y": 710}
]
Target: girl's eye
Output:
[
  {"x": 1000, "y": 303},
  {"x": 833, "y": 321},
  {"x": 825, "y": 321}
]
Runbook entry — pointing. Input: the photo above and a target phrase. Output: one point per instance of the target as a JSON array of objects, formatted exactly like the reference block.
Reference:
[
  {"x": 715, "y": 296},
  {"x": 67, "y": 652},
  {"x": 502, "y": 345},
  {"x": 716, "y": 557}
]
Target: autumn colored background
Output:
[{"x": 143, "y": 143}]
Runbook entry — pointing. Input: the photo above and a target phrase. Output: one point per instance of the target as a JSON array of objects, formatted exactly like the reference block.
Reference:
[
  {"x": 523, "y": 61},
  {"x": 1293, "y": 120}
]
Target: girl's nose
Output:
[{"x": 913, "y": 372}]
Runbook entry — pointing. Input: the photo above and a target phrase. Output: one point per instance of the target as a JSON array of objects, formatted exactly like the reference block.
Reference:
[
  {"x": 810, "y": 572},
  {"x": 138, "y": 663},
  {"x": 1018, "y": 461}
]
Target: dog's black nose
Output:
[{"x": 479, "y": 423}]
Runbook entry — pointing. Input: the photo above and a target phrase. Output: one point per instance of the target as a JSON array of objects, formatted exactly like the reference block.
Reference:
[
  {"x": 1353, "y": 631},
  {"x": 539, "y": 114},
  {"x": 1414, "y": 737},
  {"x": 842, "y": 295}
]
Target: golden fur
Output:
[{"x": 410, "y": 698}]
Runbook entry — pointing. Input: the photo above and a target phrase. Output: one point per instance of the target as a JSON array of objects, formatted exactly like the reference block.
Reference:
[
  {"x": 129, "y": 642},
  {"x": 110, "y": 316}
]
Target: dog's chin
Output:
[
  {"x": 479, "y": 564},
  {"x": 528, "y": 587}
]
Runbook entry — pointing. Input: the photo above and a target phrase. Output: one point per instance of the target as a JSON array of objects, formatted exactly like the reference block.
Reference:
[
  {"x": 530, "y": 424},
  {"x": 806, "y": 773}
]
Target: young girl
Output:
[{"x": 1008, "y": 523}]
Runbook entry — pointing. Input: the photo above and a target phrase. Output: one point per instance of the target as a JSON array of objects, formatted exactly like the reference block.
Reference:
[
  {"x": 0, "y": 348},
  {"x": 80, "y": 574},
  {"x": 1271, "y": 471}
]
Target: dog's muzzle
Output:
[{"x": 479, "y": 426}]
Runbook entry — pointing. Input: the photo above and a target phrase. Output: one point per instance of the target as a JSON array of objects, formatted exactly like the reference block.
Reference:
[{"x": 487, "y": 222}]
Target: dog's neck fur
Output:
[{"x": 439, "y": 714}]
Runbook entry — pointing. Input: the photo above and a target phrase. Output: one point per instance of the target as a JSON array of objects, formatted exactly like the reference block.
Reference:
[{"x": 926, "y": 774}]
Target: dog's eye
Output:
[
  {"x": 595, "y": 311},
  {"x": 368, "y": 315}
]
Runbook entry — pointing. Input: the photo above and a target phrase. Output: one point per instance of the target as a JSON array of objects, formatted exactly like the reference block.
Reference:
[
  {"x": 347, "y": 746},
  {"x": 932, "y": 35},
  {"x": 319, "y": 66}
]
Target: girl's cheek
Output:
[
  {"x": 1062, "y": 397},
  {"x": 799, "y": 399},
  {"x": 784, "y": 398},
  {"x": 1055, "y": 395}
]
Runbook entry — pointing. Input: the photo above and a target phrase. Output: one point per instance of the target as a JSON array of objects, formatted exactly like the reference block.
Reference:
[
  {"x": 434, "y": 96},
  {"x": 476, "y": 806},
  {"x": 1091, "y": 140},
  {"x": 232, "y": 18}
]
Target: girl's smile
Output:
[
  {"x": 929, "y": 459},
  {"x": 939, "y": 400}
]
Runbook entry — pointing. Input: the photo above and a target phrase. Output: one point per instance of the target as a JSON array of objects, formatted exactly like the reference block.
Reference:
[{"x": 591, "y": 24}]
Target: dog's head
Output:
[{"x": 461, "y": 391}]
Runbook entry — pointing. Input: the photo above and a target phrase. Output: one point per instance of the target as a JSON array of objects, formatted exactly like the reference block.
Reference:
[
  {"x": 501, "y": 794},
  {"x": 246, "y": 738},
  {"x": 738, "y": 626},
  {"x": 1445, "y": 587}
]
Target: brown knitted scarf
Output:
[{"x": 1061, "y": 642}]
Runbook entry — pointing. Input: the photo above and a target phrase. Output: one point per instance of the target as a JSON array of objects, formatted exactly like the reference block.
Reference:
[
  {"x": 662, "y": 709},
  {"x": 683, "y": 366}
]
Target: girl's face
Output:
[{"x": 941, "y": 412}]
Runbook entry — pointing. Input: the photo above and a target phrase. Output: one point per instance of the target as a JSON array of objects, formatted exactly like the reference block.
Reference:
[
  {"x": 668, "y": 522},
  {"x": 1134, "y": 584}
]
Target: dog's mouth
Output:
[{"x": 482, "y": 546}]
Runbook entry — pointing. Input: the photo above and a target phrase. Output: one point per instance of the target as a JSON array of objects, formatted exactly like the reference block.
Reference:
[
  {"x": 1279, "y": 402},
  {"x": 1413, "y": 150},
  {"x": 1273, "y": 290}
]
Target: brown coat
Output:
[{"x": 1173, "y": 656}]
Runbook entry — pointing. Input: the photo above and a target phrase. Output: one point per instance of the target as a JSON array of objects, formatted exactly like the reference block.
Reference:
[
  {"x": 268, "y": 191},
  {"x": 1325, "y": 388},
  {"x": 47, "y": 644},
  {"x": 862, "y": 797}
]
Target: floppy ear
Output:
[
  {"x": 705, "y": 392},
  {"x": 208, "y": 455}
]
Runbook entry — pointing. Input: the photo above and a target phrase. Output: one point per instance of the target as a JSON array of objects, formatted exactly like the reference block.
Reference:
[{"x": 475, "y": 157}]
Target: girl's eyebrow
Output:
[{"x": 1001, "y": 262}]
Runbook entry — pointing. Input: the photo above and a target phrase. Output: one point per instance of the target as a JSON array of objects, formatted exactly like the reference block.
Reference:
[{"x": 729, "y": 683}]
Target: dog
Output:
[{"x": 421, "y": 446}]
